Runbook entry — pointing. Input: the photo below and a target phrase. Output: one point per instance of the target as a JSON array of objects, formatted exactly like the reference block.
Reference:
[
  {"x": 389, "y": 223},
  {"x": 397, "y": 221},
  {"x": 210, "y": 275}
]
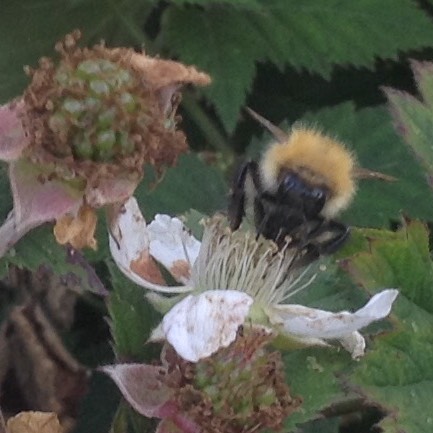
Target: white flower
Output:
[
  {"x": 199, "y": 325},
  {"x": 231, "y": 277}
]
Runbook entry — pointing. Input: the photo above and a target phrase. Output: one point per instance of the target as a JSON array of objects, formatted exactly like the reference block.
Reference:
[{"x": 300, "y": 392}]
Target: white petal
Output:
[
  {"x": 129, "y": 246},
  {"x": 173, "y": 246},
  {"x": 199, "y": 325},
  {"x": 157, "y": 335},
  {"x": 310, "y": 322},
  {"x": 128, "y": 235},
  {"x": 354, "y": 343}
]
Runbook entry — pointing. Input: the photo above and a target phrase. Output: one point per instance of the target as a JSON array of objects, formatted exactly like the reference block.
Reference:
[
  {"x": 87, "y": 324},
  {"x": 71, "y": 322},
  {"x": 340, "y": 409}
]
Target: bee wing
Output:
[
  {"x": 365, "y": 173},
  {"x": 279, "y": 134}
]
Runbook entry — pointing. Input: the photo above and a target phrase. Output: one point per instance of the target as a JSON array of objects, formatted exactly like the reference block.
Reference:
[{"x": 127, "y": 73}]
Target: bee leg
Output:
[
  {"x": 306, "y": 256},
  {"x": 237, "y": 199},
  {"x": 319, "y": 237},
  {"x": 304, "y": 230},
  {"x": 330, "y": 236},
  {"x": 260, "y": 218}
]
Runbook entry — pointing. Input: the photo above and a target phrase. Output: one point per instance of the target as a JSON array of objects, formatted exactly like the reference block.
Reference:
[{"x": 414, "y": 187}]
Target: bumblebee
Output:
[{"x": 301, "y": 183}]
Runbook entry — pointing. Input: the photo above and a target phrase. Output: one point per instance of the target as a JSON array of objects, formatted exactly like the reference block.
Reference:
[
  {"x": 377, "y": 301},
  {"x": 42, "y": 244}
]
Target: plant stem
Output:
[
  {"x": 11, "y": 232},
  {"x": 130, "y": 25},
  {"x": 211, "y": 133}
]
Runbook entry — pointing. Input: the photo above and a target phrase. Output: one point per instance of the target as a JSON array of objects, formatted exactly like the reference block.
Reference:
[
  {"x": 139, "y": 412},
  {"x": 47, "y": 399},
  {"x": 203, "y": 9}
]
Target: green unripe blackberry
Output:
[
  {"x": 101, "y": 113},
  {"x": 98, "y": 107},
  {"x": 240, "y": 388}
]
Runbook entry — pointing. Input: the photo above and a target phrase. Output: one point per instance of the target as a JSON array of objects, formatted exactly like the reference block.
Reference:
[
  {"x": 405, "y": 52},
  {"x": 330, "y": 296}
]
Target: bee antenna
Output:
[
  {"x": 278, "y": 133},
  {"x": 365, "y": 173}
]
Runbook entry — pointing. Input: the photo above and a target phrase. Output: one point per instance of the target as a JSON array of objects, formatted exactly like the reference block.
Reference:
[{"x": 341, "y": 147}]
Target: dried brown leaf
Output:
[{"x": 34, "y": 422}]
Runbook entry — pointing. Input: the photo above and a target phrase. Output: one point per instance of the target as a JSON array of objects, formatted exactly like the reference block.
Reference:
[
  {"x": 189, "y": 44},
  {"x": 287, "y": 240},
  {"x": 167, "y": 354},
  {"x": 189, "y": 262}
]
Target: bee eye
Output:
[
  {"x": 291, "y": 182},
  {"x": 317, "y": 193}
]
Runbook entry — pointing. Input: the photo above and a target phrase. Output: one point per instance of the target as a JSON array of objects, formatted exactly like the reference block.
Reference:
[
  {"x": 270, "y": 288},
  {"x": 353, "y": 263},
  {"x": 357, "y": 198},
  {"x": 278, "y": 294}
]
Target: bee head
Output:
[
  {"x": 310, "y": 165},
  {"x": 294, "y": 188}
]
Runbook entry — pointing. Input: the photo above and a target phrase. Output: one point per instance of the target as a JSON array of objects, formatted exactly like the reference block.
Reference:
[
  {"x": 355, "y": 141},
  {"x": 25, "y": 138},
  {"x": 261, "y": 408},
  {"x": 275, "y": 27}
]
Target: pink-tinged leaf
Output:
[
  {"x": 143, "y": 388},
  {"x": 36, "y": 202},
  {"x": 167, "y": 426},
  {"x": 179, "y": 424},
  {"x": 423, "y": 73},
  {"x": 88, "y": 274},
  {"x": 413, "y": 117},
  {"x": 12, "y": 136},
  {"x": 110, "y": 191},
  {"x": 403, "y": 107}
]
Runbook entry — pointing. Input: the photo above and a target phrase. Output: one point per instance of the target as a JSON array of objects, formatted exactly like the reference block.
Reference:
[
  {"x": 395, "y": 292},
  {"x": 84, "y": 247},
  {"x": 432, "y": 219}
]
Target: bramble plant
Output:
[{"x": 126, "y": 303}]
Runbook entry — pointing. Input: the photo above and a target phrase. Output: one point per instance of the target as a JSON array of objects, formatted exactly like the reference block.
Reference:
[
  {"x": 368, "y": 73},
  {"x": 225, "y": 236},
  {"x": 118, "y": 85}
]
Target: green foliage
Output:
[
  {"x": 400, "y": 259},
  {"x": 311, "y": 35},
  {"x": 40, "y": 248},
  {"x": 227, "y": 38},
  {"x": 132, "y": 319},
  {"x": 191, "y": 184},
  {"x": 311, "y": 375},
  {"x": 97, "y": 410}
]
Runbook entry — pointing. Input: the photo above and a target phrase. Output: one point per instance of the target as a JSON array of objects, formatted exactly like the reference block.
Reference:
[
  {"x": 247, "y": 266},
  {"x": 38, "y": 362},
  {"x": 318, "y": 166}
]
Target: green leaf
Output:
[
  {"x": 227, "y": 41},
  {"x": 322, "y": 34},
  {"x": 98, "y": 407},
  {"x": 193, "y": 220},
  {"x": 120, "y": 421},
  {"x": 222, "y": 43},
  {"x": 132, "y": 319},
  {"x": 413, "y": 117},
  {"x": 401, "y": 260},
  {"x": 39, "y": 248},
  {"x": 191, "y": 184},
  {"x": 396, "y": 374},
  {"x": 311, "y": 374},
  {"x": 397, "y": 377}
]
